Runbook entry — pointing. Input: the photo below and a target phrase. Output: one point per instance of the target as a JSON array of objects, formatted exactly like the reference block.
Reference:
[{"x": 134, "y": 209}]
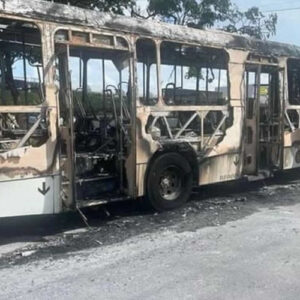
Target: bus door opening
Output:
[
  {"x": 96, "y": 112},
  {"x": 263, "y": 150}
]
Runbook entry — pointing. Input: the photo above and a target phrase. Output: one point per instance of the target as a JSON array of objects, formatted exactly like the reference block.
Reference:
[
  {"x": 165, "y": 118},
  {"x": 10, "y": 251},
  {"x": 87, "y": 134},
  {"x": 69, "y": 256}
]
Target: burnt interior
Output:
[
  {"x": 293, "y": 66},
  {"x": 263, "y": 107},
  {"x": 292, "y": 115},
  {"x": 21, "y": 84},
  {"x": 189, "y": 76},
  {"x": 147, "y": 71},
  {"x": 193, "y": 75},
  {"x": 95, "y": 104}
]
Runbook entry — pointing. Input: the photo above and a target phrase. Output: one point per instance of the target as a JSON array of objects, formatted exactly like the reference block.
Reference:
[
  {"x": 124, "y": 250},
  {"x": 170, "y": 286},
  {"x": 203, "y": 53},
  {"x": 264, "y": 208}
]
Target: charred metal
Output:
[{"x": 92, "y": 101}]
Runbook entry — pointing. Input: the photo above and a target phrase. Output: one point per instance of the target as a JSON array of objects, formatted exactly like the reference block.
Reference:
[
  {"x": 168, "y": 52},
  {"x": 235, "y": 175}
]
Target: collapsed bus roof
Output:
[{"x": 65, "y": 14}]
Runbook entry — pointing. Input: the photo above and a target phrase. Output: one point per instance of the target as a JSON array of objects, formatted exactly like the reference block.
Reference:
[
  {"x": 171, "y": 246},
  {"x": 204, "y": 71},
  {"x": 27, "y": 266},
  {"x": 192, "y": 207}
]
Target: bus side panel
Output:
[
  {"x": 291, "y": 150},
  {"x": 30, "y": 197},
  {"x": 225, "y": 161},
  {"x": 291, "y": 134},
  {"x": 222, "y": 168},
  {"x": 289, "y": 161}
]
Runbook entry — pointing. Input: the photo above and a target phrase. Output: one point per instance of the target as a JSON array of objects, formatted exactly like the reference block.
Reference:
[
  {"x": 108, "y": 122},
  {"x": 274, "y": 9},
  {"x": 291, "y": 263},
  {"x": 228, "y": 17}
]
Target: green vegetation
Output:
[
  {"x": 222, "y": 14},
  {"x": 33, "y": 98}
]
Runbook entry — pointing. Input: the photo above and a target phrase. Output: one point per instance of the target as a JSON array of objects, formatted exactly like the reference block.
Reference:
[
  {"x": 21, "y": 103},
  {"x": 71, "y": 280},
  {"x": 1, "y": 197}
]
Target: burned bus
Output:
[{"x": 97, "y": 108}]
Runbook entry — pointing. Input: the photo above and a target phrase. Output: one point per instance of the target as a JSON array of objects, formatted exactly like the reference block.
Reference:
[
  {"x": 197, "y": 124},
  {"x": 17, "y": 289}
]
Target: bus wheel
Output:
[{"x": 169, "y": 182}]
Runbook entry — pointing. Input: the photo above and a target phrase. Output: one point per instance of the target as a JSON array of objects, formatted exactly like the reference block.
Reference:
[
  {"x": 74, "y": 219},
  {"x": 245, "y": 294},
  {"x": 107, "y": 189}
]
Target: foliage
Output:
[
  {"x": 194, "y": 13},
  {"x": 114, "y": 6},
  {"x": 252, "y": 22},
  {"x": 217, "y": 13},
  {"x": 191, "y": 12}
]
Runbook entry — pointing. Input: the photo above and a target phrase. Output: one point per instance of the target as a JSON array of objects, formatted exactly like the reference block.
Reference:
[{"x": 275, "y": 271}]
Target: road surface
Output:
[{"x": 236, "y": 241}]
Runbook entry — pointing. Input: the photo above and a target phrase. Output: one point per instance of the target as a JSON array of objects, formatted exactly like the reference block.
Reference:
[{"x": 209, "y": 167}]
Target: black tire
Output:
[{"x": 169, "y": 182}]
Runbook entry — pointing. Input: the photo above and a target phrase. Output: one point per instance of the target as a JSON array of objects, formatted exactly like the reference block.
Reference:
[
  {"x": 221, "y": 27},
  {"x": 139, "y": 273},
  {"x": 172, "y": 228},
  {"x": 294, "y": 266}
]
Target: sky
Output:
[{"x": 288, "y": 21}]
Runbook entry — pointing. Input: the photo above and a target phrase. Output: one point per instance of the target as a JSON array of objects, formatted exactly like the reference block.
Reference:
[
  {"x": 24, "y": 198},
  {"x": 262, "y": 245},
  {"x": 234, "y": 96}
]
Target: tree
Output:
[
  {"x": 214, "y": 13},
  {"x": 193, "y": 13},
  {"x": 252, "y": 22},
  {"x": 114, "y": 6}
]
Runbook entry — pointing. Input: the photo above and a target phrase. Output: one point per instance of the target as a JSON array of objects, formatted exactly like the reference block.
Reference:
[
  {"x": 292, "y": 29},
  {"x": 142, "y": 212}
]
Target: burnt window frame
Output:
[
  {"x": 291, "y": 63},
  {"x": 206, "y": 48},
  {"x": 145, "y": 100},
  {"x": 92, "y": 46},
  {"x": 30, "y": 121},
  {"x": 41, "y": 72}
]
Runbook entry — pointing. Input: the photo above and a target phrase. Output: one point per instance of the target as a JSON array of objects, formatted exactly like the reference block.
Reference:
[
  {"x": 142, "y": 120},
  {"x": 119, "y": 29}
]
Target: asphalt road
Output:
[{"x": 236, "y": 241}]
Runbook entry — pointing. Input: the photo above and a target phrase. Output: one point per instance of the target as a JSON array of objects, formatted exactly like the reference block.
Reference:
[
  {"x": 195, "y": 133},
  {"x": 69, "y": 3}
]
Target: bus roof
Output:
[{"x": 65, "y": 14}]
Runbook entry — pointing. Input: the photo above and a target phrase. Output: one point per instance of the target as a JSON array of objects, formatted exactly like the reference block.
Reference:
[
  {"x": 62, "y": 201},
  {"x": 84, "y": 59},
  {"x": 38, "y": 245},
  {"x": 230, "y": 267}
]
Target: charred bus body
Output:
[{"x": 97, "y": 108}]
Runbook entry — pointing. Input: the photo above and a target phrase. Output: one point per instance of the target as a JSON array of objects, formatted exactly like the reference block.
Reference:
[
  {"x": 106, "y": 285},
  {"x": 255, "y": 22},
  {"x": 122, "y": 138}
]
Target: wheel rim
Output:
[{"x": 170, "y": 183}]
